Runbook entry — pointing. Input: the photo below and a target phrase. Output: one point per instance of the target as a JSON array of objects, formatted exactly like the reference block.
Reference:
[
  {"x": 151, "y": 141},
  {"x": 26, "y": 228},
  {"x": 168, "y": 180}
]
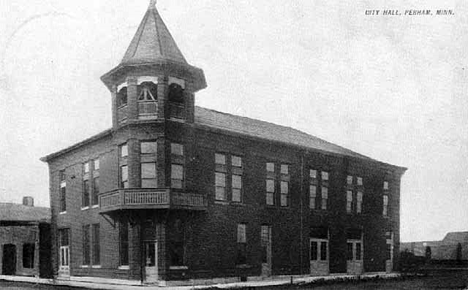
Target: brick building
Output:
[
  {"x": 25, "y": 239},
  {"x": 175, "y": 192}
]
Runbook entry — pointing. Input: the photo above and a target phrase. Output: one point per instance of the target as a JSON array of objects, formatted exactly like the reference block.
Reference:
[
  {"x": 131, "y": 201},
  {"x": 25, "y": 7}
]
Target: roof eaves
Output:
[
  {"x": 356, "y": 155},
  {"x": 96, "y": 137}
]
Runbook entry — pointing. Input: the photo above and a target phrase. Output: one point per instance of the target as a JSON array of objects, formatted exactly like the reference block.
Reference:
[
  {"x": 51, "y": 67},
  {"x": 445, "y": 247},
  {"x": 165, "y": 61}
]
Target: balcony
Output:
[{"x": 161, "y": 198}]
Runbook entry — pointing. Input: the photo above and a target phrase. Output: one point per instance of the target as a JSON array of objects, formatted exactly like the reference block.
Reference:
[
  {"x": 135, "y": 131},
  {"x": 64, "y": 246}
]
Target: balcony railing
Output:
[
  {"x": 122, "y": 114},
  {"x": 147, "y": 110},
  {"x": 176, "y": 110},
  {"x": 151, "y": 199}
]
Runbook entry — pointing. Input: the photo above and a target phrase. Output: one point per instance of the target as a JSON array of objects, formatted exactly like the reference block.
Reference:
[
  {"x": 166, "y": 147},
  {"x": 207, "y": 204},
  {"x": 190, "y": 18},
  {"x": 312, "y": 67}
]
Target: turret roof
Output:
[{"x": 152, "y": 41}]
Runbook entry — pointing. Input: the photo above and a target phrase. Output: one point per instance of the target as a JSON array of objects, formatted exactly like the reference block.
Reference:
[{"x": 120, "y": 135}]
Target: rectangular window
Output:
[
  {"x": 86, "y": 236},
  {"x": 124, "y": 176},
  {"x": 349, "y": 180},
  {"x": 313, "y": 251},
  {"x": 96, "y": 245},
  {"x": 313, "y": 174},
  {"x": 177, "y": 176},
  {"x": 95, "y": 198},
  {"x": 236, "y": 161},
  {"x": 95, "y": 183},
  {"x": 270, "y": 167},
  {"x": 313, "y": 196},
  {"x": 241, "y": 244},
  {"x": 148, "y": 175},
  {"x": 63, "y": 192},
  {"x": 323, "y": 251},
  {"x": 64, "y": 237},
  {"x": 123, "y": 150},
  {"x": 237, "y": 188},
  {"x": 349, "y": 201},
  {"x": 385, "y": 185},
  {"x": 220, "y": 186},
  {"x": 359, "y": 181},
  {"x": 270, "y": 192},
  {"x": 177, "y": 149},
  {"x": 86, "y": 167},
  {"x": 123, "y": 243},
  {"x": 85, "y": 201},
  {"x": 358, "y": 251},
  {"x": 324, "y": 198},
  {"x": 359, "y": 202},
  {"x": 349, "y": 252},
  {"x": 325, "y": 176},
  {"x": 28, "y": 255},
  {"x": 148, "y": 147},
  {"x": 96, "y": 164},
  {"x": 385, "y": 205},
  {"x": 284, "y": 193},
  {"x": 284, "y": 169},
  {"x": 236, "y": 178}
]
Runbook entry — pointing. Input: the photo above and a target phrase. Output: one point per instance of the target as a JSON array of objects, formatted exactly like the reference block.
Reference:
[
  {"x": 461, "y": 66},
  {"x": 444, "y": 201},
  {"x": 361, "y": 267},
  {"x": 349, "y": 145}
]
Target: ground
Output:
[{"x": 445, "y": 279}]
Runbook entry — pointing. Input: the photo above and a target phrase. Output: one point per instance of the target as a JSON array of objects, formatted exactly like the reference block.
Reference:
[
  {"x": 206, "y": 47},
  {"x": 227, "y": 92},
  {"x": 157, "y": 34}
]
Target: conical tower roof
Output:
[
  {"x": 152, "y": 41},
  {"x": 153, "y": 49}
]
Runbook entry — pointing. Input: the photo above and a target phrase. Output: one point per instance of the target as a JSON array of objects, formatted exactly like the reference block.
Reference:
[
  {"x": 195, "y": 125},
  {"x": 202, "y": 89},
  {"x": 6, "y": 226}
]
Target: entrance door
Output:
[
  {"x": 64, "y": 253},
  {"x": 151, "y": 261},
  {"x": 355, "y": 263},
  {"x": 266, "y": 250},
  {"x": 9, "y": 259},
  {"x": 64, "y": 266},
  {"x": 319, "y": 264},
  {"x": 389, "y": 259}
]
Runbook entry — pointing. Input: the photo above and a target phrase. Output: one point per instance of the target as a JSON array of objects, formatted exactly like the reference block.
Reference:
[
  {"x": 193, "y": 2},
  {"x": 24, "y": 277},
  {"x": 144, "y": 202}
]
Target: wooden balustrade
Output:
[{"x": 158, "y": 198}]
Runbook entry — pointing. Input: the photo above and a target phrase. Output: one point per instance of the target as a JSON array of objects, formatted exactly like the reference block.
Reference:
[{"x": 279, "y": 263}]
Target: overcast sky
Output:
[{"x": 390, "y": 87}]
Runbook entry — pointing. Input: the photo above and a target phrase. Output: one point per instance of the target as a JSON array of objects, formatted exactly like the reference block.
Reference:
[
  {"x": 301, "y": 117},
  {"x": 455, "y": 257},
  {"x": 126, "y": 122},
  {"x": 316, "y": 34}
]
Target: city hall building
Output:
[{"x": 176, "y": 192}]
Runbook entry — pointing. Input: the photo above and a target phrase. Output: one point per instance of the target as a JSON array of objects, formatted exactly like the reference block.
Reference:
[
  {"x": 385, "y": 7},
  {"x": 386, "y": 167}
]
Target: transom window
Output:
[
  {"x": 177, "y": 149},
  {"x": 123, "y": 150}
]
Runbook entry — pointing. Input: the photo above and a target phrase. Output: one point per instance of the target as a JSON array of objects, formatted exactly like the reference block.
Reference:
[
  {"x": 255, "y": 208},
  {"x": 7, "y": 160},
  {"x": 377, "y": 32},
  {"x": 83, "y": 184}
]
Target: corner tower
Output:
[{"x": 153, "y": 82}]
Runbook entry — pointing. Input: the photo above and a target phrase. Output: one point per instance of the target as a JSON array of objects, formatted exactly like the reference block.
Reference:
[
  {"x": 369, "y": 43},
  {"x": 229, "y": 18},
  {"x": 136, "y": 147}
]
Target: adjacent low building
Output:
[
  {"x": 178, "y": 192},
  {"x": 454, "y": 246},
  {"x": 25, "y": 239}
]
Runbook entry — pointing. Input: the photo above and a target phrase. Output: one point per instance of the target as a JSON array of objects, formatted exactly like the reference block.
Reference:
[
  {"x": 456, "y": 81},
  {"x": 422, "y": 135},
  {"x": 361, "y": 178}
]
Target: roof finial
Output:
[{"x": 152, "y": 4}]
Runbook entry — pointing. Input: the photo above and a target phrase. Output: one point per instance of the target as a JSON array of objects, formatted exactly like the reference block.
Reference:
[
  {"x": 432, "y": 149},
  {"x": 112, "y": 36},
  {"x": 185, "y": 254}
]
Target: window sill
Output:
[
  {"x": 243, "y": 266},
  {"x": 124, "y": 268},
  {"x": 85, "y": 266},
  {"x": 63, "y": 212},
  {"x": 85, "y": 208},
  {"x": 221, "y": 202},
  {"x": 95, "y": 206},
  {"x": 178, "y": 268},
  {"x": 96, "y": 266}
]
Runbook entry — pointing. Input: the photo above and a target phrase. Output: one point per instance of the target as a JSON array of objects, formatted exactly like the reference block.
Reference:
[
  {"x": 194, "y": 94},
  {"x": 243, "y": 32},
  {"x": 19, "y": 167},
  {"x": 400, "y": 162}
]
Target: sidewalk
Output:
[{"x": 272, "y": 281}]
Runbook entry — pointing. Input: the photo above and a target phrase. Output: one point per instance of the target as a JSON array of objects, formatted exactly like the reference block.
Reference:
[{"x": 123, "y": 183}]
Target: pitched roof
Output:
[
  {"x": 21, "y": 213},
  {"x": 455, "y": 238},
  {"x": 152, "y": 42},
  {"x": 269, "y": 131},
  {"x": 248, "y": 127}
]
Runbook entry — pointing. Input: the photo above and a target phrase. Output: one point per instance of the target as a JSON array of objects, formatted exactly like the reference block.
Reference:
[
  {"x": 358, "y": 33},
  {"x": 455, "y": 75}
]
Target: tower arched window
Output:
[
  {"x": 147, "y": 91},
  {"x": 176, "y": 93},
  {"x": 122, "y": 97}
]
